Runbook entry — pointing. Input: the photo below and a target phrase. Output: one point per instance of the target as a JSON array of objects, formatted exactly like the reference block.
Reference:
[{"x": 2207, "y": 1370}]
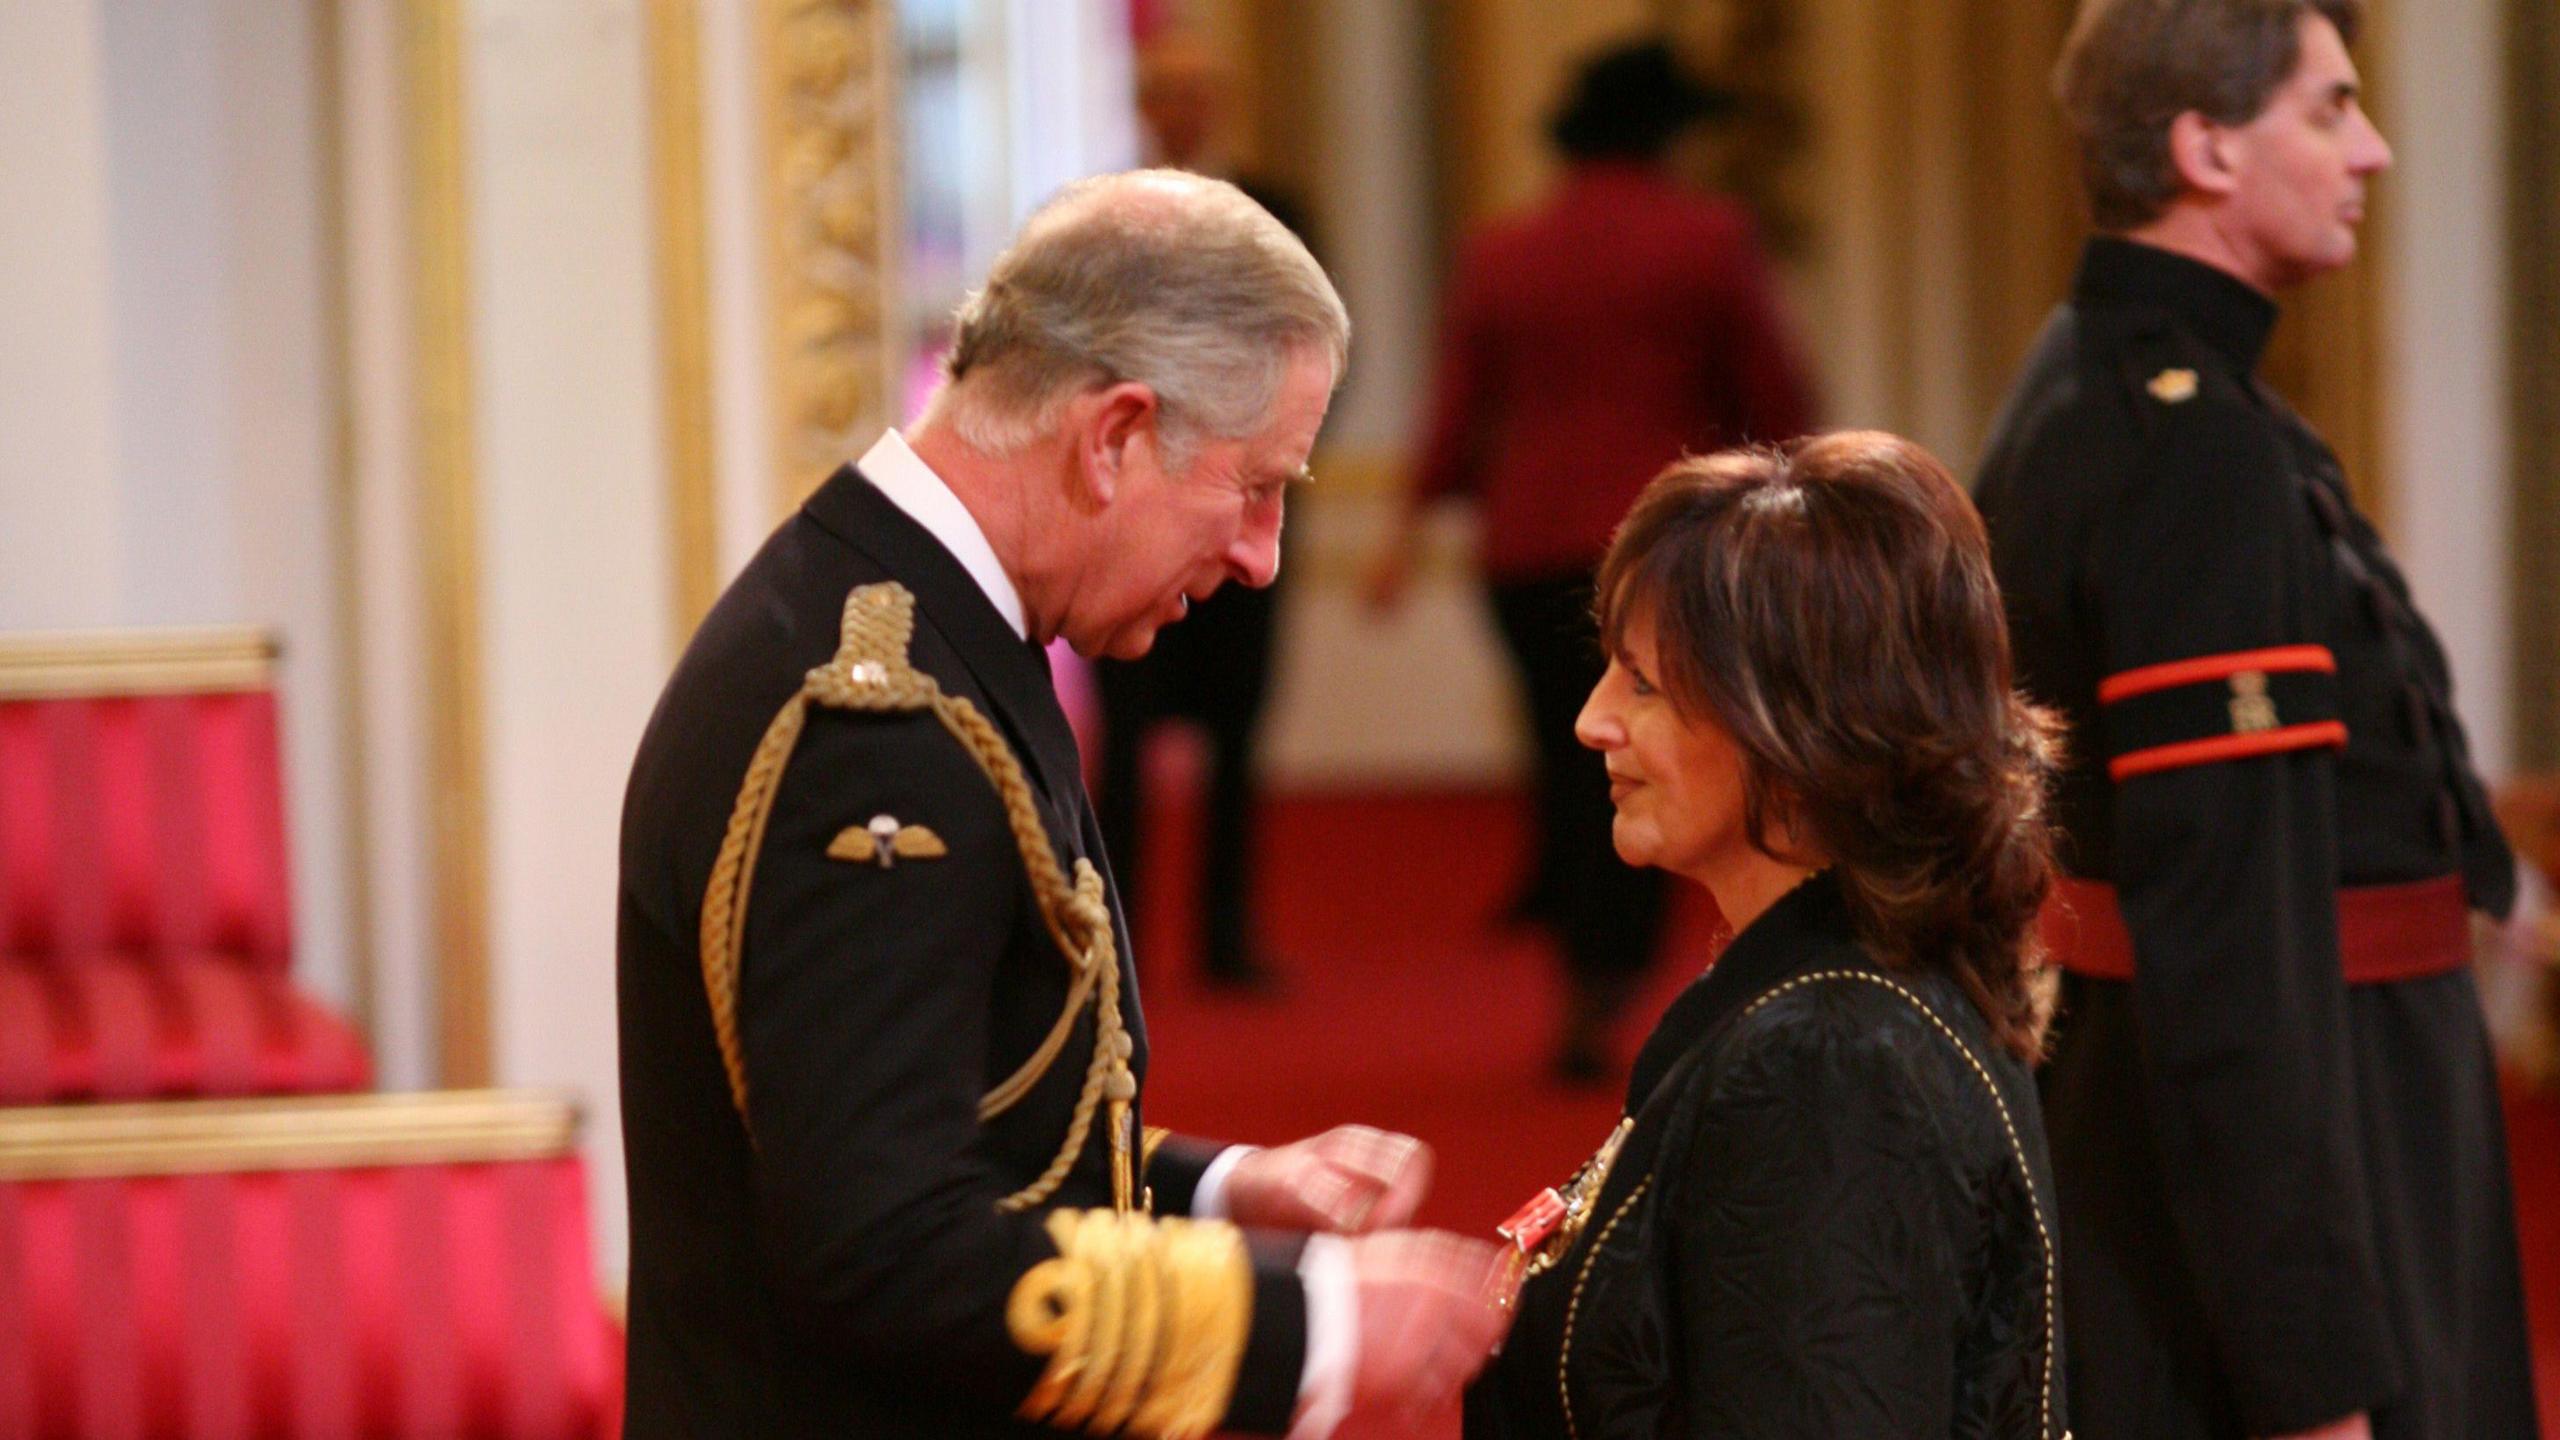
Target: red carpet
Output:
[
  {"x": 1404, "y": 1008},
  {"x": 2533, "y": 1139}
]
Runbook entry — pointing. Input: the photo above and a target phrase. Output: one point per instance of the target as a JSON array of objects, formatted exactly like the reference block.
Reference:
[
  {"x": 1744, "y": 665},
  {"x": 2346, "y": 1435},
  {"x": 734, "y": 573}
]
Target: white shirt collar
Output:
[{"x": 899, "y": 473}]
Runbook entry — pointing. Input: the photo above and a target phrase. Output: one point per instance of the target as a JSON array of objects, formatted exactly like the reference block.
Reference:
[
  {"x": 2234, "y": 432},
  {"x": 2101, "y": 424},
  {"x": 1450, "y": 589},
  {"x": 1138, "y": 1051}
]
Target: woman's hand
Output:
[{"x": 1428, "y": 1321}]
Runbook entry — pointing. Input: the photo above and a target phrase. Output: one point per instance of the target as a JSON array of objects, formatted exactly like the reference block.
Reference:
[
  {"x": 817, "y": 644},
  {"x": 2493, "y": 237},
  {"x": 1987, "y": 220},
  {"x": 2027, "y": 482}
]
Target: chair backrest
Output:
[
  {"x": 142, "y": 796},
  {"x": 390, "y": 1266}
]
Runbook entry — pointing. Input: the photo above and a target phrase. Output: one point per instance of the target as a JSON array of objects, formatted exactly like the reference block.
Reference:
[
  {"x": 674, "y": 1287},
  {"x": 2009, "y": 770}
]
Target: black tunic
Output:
[
  {"x": 1822, "y": 1224},
  {"x": 847, "y": 1273},
  {"x": 2284, "y": 1199}
]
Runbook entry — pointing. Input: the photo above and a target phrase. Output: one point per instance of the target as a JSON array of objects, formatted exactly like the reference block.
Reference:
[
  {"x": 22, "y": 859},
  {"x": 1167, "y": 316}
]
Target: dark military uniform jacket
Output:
[
  {"x": 846, "y": 1272},
  {"x": 2284, "y": 1197}
]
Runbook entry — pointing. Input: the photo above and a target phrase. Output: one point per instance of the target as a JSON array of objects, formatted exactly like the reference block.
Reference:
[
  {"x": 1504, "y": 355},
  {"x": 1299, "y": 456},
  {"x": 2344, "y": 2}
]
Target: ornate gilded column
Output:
[{"x": 829, "y": 78}]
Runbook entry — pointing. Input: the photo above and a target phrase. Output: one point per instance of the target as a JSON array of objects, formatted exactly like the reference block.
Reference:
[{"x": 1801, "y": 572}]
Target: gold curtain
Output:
[
  {"x": 2023, "y": 216},
  {"x": 2326, "y": 354},
  {"x": 2533, "y": 238}
]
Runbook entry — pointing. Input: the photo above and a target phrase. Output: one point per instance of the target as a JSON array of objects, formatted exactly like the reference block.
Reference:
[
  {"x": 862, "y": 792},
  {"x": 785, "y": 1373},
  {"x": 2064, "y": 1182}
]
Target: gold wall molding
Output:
[
  {"x": 684, "y": 308},
  {"x": 432, "y": 56},
  {"x": 2533, "y": 315},
  {"x": 828, "y": 73},
  {"x": 195, "y": 1137},
  {"x": 329, "y": 58}
]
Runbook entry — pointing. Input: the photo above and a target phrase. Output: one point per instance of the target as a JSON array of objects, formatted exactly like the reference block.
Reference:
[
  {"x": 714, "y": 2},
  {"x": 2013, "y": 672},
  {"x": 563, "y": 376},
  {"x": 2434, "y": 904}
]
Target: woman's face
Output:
[{"x": 1675, "y": 779}]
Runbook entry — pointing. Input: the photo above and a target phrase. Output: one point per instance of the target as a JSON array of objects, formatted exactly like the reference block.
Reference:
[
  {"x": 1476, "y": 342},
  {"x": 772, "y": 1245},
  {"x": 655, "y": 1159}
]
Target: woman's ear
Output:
[{"x": 1782, "y": 831}]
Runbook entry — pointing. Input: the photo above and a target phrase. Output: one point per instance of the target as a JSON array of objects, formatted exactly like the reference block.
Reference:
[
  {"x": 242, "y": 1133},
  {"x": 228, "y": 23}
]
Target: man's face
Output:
[
  {"x": 2300, "y": 167},
  {"x": 1170, "y": 539}
]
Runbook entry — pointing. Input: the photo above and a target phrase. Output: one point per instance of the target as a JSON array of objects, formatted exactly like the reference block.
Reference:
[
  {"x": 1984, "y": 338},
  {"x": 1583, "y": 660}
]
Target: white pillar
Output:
[
  {"x": 1345, "y": 708},
  {"x": 389, "y": 680},
  {"x": 1067, "y": 88},
  {"x": 1373, "y": 89},
  {"x": 573, "y": 525},
  {"x": 2445, "y": 362}
]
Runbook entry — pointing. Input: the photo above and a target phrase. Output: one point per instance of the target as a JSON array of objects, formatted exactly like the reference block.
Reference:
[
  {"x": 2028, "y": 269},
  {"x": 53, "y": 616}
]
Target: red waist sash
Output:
[{"x": 2385, "y": 932}]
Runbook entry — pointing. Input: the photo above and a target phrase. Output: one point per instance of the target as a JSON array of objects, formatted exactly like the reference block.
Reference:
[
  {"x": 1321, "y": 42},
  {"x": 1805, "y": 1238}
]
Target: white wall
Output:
[
  {"x": 60, "y": 510},
  {"x": 166, "y": 453}
]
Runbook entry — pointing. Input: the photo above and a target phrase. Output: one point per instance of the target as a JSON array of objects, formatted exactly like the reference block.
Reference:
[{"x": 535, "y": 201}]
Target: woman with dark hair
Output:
[{"x": 1827, "y": 1211}]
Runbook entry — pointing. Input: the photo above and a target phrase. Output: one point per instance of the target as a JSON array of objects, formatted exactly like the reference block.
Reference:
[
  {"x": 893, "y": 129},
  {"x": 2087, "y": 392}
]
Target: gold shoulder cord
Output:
[
  {"x": 871, "y": 672},
  {"x": 1144, "y": 1321}
]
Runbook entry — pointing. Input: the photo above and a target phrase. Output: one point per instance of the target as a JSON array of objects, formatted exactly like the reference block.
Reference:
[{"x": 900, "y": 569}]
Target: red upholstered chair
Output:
[
  {"x": 371, "y": 1267},
  {"x": 145, "y": 933}
]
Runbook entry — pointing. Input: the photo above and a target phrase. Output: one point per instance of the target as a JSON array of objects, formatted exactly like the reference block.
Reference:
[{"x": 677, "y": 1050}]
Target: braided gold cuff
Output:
[{"x": 1143, "y": 1320}]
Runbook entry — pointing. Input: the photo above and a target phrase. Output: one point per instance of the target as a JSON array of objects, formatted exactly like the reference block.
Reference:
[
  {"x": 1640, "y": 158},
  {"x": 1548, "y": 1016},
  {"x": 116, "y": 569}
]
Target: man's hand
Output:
[
  {"x": 1428, "y": 1321},
  {"x": 2354, "y": 1427},
  {"x": 1351, "y": 1179}
]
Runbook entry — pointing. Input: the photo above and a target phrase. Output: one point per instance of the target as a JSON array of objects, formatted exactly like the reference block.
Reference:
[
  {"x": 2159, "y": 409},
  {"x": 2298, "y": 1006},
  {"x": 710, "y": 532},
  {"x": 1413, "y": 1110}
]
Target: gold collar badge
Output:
[{"x": 2173, "y": 387}]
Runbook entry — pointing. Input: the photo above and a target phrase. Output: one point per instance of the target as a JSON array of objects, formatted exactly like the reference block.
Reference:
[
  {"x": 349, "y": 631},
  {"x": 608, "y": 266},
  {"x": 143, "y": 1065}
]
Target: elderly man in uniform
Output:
[
  {"x": 881, "y": 1046},
  {"x": 2276, "y": 1134}
]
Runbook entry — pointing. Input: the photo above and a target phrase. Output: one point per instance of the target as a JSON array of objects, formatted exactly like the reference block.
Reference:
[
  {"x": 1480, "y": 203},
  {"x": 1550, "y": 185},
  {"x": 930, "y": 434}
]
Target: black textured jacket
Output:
[{"x": 1829, "y": 1219}]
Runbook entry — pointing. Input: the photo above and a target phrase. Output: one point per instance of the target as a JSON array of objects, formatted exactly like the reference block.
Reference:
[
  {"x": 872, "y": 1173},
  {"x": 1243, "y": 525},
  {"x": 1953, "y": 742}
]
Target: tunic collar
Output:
[
  {"x": 911, "y": 485},
  {"x": 1013, "y": 672},
  {"x": 2219, "y": 307},
  {"x": 1806, "y": 927}
]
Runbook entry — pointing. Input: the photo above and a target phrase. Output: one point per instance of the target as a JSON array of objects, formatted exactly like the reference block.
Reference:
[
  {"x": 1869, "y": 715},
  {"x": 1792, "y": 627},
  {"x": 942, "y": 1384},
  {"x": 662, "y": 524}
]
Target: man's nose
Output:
[
  {"x": 1255, "y": 557},
  {"x": 2373, "y": 156}
]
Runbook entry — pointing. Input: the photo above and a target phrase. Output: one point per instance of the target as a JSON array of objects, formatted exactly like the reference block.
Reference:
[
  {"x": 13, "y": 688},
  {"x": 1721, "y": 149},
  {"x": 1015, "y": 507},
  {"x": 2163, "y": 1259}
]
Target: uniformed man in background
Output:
[
  {"x": 882, "y": 1053},
  {"x": 2276, "y": 1133}
]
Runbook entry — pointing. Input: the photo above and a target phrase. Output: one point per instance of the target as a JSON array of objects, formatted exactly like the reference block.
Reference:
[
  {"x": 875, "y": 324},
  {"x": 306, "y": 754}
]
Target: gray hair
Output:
[
  {"x": 1176, "y": 281},
  {"x": 2133, "y": 66}
]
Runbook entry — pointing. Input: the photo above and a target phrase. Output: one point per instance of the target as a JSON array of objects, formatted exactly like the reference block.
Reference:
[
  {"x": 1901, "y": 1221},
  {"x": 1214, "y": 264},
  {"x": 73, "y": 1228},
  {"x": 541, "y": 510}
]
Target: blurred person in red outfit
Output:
[{"x": 1622, "y": 321}]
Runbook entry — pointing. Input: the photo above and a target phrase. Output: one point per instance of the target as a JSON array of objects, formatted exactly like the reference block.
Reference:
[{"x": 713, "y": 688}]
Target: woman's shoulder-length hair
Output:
[{"x": 1830, "y": 605}]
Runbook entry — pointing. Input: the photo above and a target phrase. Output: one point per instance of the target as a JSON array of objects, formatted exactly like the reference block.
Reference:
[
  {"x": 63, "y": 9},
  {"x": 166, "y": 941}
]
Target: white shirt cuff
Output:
[
  {"x": 1333, "y": 1336},
  {"x": 1209, "y": 1197}
]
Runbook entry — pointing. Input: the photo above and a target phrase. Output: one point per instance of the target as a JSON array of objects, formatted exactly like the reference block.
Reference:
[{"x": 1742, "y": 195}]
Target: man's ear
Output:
[
  {"x": 1112, "y": 421},
  {"x": 2202, "y": 153}
]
